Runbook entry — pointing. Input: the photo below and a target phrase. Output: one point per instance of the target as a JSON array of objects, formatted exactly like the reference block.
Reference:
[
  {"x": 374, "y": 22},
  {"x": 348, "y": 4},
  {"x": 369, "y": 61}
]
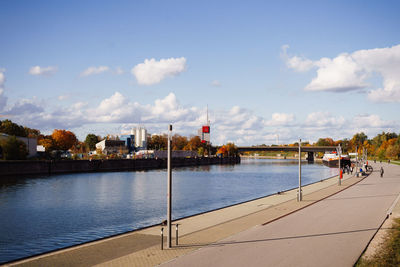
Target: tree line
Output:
[{"x": 382, "y": 146}]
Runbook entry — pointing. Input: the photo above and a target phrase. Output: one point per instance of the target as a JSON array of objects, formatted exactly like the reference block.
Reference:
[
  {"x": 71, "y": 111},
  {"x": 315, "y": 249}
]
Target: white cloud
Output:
[
  {"x": 371, "y": 121},
  {"x": 280, "y": 119},
  {"x": 348, "y": 72},
  {"x": 2, "y": 77},
  {"x": 119, "y": 71},
  {"x": 3, "y": 98},
  {"x": 63, "y": 97},
  {"x": 25, "y": 106},
  {"x": 45, "y": 71},
  {"x": 324, "y": 119},
  {"x": 216, "y": 83},
  {"x": 339, "y": 74},
  {"x": 299, "y": 64},
  {"x": 94, "y": 70},
  {"x": 237, "y": 124},
  {"x": 152, "y": 72}
]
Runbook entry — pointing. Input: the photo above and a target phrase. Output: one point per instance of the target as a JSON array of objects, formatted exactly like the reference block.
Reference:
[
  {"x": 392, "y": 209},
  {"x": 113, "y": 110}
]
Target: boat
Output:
[{"x": 331, "y": 159}]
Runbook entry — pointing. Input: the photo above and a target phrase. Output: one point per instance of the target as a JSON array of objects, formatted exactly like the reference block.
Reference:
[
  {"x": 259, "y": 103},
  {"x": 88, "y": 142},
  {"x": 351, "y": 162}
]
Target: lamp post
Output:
[
  {"x": 299, "y": 195},
  {"x": 339, "y": 152},
  {"x": 169, "y": 171}
]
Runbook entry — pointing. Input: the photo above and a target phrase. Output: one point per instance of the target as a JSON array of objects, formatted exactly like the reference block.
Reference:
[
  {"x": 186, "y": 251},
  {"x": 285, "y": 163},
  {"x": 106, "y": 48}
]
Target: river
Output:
[{"x": 45, "y": 213}]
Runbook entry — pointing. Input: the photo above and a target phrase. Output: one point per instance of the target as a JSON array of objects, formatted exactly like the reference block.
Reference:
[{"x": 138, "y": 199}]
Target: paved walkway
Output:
[
  {"x": 332, "y": 232},
  {"x": 142, "y": 248}
]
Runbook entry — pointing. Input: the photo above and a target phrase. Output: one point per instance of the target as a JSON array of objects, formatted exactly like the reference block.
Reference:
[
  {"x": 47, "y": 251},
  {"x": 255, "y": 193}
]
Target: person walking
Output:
[{"x": 382, "y": 171}]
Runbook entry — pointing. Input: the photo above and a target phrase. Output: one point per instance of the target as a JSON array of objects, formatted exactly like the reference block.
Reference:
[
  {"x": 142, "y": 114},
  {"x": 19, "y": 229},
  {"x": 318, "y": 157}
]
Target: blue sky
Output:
[{"x": 305, "y": 69}]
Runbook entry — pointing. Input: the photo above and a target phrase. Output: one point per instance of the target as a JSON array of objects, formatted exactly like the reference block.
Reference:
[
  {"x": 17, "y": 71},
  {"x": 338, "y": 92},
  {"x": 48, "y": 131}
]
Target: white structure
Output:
[
  {"x": 31, "y": 143},
  {"x": 140, "y": 134},
  {"x": 111, "y": 146}
]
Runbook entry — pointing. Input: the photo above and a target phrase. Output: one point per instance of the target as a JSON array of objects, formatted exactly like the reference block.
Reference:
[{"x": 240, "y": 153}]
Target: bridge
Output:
[{"x": 309, "y": 149}]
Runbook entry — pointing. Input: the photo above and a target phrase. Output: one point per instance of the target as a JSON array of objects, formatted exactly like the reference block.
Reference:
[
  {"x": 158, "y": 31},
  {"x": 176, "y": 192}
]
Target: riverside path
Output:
[{"x": 332, "y": 232}]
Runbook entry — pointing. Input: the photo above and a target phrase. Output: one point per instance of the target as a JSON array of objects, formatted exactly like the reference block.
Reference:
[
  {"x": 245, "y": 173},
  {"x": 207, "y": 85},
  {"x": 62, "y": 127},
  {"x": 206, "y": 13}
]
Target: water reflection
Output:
[{"x": 44, "y": 213}]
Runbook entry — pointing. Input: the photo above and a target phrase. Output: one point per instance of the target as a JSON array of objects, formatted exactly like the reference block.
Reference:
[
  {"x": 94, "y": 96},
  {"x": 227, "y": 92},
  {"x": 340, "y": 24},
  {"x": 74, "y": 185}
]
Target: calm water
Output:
[{"x": 46, "y": 213}]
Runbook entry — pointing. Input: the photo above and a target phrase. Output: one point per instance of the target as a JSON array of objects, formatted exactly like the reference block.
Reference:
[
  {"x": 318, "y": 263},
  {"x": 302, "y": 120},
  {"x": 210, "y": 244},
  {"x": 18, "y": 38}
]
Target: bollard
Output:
[
  {"x": 162, "y": 238},
  {"x": 176, "y": 240}
]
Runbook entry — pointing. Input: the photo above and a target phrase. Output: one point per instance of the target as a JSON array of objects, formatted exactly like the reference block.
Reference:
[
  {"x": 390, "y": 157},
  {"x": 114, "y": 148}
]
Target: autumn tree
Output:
[
  {"x": 393, "y": 151},
  {"x": 47, "y": 141},
  {"x": 222, "y": 151},
  {"x": 63, "y": 139},
  {"x": 179, "y": 142},
  {"x": 157, "y": 142},
  {"x": 325, "y": 142},
  {"x": 194, "y": 144},
  {"x": 232, "y": 149},
  {"x": 80, "y": 147}
]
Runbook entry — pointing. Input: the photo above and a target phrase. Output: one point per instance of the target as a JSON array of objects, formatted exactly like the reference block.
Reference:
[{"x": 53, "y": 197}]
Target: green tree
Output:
[
  {"x": 13, "y": 149},
  {"x": 201, "y": 151},
  {"x": 232, "y": 149},
  {"x": 359, "y": 138},
  {"x": 32, "y": 133},
  {"x": 10, "y": 128},
  {"x": 91, "y": 141}
]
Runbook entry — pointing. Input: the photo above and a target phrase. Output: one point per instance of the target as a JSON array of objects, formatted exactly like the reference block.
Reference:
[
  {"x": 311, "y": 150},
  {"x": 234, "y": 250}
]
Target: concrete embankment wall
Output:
[{"x": 47, "y": 167}]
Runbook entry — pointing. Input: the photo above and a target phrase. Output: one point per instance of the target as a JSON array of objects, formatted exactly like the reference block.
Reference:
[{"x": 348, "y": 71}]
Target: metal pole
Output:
[
  {"x": 169, "y": 170},
  {"x": 162, "y": 238},
  {"x": 299, "y": 195},
  {"x": 340, "y": 169},
  {"x": 176, "y": 240},
  {"x": 356, "y": 162}
]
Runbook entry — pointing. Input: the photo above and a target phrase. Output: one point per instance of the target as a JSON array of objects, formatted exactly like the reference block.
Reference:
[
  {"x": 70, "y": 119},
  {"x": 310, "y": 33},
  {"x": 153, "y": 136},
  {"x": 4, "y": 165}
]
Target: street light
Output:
[
  {"x": 339, "y": 152},
  {"x": 169, "y": 171},
  {"x": 299, "y": 195}
]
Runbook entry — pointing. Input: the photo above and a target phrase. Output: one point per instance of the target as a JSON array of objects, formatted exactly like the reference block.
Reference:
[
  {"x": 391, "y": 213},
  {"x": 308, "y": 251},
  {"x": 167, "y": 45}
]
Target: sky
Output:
[{"x": 269, "y": 71}]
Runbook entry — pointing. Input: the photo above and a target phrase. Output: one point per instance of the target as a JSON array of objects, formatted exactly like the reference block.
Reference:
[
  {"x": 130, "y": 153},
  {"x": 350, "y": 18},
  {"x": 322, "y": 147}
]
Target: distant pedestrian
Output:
[
  {"x": 382, "y": 171},
  {"x": 374, "y": 160}
]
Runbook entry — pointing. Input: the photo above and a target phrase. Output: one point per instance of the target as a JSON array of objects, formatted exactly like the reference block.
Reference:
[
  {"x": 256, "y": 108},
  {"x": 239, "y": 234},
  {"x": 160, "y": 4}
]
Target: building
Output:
[
  {"x": 204, "y": 134},
  {"x": 112, "y": 147},
  {"x": 31, "y": 143},
  {"x": 129, "y": 140},
  {"x": 141, "y": 136}
]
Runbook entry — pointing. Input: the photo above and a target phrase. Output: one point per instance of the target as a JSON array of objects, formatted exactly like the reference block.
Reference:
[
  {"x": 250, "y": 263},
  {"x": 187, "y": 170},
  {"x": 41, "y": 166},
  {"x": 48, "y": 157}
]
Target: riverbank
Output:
[
  {"x": 142, "y": 247},
  {"x": 10, "y": 168},
  {"x": 280, "y": 157}
]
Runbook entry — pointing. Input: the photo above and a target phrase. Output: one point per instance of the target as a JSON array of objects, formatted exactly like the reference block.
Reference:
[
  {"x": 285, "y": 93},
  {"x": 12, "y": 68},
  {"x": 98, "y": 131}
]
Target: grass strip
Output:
[{"x": 388, "y": 254}]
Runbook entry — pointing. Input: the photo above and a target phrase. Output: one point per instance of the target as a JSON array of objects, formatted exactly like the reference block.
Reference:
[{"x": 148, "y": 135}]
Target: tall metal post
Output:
[
  {"x": 169, "y": 170},
  {"x": 339, "y": 150},
  {"x": 356, "y": 162},
  {"x": 299, "y": 195}
]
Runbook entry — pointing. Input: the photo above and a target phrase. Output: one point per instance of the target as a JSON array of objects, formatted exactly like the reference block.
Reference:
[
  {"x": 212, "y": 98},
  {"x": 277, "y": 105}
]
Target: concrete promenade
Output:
[
  {"x": 332, "y": 232},
  {"x": 252, "y": 233}
]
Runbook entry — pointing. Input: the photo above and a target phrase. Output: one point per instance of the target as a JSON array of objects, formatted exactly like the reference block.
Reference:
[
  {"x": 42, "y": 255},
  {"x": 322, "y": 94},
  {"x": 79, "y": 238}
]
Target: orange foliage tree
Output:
[
  {"x": 63, "y": 139},
  {"x": 222, "y": 151},
  {"x": 47, "y": 141}
]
